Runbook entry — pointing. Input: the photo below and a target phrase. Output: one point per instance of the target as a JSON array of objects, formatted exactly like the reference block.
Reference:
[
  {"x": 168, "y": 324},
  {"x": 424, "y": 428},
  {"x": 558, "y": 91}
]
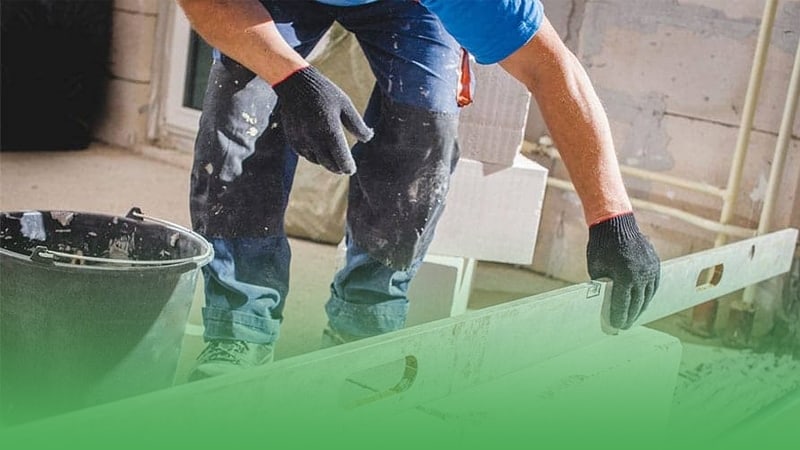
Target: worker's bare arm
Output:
[
  {"x": 244, "y": 30},
  {"x": 579, "y": 126},
  {"x": 576, "y": 120}
]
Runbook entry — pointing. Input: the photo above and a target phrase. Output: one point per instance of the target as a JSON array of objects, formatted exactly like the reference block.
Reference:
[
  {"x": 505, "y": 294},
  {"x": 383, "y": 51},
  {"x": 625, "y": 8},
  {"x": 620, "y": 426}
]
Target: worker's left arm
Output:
[
  {"x": 534, "y": 54},
  {"x": 580, "y": 130}
]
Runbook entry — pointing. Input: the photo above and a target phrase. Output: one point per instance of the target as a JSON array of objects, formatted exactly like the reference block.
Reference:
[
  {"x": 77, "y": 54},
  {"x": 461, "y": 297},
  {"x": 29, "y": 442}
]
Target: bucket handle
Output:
[
  {"x": 199, "y": 260},
  {"x": 44, "y": 255}
]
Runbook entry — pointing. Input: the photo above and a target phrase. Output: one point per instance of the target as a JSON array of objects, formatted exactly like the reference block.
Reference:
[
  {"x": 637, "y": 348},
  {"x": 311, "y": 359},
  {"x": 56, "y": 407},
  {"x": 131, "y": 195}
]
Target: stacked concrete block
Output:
[
  {"x": 131, "y": 61},
  {"x": 492, "y": 128},
  {"x": 492, "y": 211}
]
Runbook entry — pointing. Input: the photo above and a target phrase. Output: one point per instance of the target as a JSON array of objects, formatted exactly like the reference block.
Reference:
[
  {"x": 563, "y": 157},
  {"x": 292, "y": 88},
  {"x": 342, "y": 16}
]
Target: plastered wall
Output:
[{"x": 672, "y": 76}]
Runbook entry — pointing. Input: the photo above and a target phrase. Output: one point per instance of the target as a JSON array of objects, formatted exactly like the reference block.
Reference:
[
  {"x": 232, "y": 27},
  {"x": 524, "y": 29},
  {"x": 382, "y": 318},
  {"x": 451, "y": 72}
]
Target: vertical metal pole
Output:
[
  {"x": 742, "y": 313},
  {"x": 748, "y": 115},
  {"x": 781, "y": 147},
  {"x": 778, "y": 162},
  {"x": 703, "y": 316}
]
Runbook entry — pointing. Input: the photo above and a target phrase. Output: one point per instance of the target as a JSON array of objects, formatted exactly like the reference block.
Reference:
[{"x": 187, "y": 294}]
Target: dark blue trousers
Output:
[{"x": 243, "y": 172}]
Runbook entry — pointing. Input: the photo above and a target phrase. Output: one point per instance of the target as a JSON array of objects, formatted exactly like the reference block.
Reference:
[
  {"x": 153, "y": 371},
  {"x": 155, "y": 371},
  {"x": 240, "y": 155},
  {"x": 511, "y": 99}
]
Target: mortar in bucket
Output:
[{"x": 93, "y": 308}]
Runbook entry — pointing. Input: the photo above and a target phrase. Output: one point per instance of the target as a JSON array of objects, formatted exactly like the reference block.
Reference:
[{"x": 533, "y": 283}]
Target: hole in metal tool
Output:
[
  {"x": 752, "y": 251},
  {"x": 709, "y": 277}
]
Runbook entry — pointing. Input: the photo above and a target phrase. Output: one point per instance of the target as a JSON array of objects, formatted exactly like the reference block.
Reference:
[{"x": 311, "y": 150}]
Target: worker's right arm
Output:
[{"x": 244, "y": 31}]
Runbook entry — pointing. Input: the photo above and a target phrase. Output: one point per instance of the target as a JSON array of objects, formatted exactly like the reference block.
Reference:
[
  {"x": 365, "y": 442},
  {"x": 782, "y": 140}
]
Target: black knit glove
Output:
[
  {"x": 313, "y": 110},
  {"x": 619, "y": 251}
]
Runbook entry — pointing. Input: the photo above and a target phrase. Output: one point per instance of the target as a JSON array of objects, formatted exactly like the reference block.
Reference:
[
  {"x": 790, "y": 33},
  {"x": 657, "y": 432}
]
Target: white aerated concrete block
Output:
[
  {"x": 492, "y": 212},
  {"x": 492, "y": 128},
  {"x": 440, "y": 289}
]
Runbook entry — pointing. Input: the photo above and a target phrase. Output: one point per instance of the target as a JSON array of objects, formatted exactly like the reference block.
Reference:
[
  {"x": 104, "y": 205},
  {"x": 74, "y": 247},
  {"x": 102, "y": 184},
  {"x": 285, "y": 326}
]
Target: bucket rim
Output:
[{"x": 44, "y": 255}]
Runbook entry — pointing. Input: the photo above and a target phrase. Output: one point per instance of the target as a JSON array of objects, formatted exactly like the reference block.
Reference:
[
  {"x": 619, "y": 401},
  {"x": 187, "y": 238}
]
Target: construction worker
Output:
[{"x": 265, "y": 104}]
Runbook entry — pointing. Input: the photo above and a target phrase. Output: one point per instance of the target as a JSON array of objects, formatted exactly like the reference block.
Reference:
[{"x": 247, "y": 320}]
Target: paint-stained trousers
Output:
[{"x": 243, "y": 172}]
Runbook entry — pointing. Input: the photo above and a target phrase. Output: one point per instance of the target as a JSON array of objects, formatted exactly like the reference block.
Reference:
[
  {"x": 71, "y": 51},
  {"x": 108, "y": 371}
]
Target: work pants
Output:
[{"x": 243, "y": 171}]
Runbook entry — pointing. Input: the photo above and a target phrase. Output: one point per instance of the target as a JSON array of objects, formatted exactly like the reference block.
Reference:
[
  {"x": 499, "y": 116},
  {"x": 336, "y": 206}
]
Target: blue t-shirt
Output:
[
  {"x": 346, "y": 2},
  {"x": 490, "y": 30}
]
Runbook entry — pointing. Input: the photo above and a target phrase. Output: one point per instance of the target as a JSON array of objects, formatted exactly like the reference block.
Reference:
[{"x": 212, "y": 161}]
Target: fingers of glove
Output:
[
  {"x": 651, "y": 286},
  {"x": 326, "y": 147},
  {"x": 303, "y": 151},
  {"x": 331, "y": 152},
  {"x": 301, "y": 145},
  {"x": 312, "y": 158},
  {"x": 637, "y": 295},
  {"x": 340, "y": 154},
  {"x": 620, "y": 304},
  {"x": 352, "y": 120},
  {"x": 649, "y": 292},
  {"x": 326, "y": 140},
  {"x": 324, "y": 156}
]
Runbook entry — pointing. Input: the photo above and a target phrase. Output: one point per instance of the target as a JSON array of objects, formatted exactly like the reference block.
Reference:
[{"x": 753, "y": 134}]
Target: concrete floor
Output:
[{"x": 111, "y": 180}]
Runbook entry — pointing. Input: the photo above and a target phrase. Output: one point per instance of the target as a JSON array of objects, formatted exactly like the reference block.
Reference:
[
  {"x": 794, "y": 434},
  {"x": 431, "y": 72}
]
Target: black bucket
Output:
[{"x": 93, "y": 308}]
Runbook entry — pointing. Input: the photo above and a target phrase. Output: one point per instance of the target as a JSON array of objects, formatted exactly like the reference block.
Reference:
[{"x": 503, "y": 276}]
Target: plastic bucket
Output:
[{"x": 93, "y": 307}]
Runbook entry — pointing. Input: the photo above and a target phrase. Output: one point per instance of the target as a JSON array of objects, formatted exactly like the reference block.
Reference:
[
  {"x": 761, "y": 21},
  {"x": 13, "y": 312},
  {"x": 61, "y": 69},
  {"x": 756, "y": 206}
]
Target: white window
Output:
[{"x": 187, "y": 61}]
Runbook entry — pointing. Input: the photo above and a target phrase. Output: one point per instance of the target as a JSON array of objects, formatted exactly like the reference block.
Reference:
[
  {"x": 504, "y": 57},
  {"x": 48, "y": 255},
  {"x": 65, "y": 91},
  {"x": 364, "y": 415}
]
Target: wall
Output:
[
  {"x": 672, "y": 76},
  {"x": 133, "y": 46}
]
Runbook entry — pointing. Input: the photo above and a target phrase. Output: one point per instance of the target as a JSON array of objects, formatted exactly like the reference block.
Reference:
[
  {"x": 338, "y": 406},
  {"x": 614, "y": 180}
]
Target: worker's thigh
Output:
[
  {"x": 243, "y": 169},
  {"x": 398, "y": 192}
]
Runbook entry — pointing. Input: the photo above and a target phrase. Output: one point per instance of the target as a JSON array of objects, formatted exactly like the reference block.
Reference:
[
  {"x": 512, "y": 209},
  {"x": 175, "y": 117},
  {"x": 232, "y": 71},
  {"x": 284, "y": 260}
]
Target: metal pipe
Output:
[
  {"x": 693, "y": 219},
  {"x": 748, "y": 114},
  {"x": 704, "y": 316},
  {"x": 778, "y": 160},
  {"x": 644, "y": 174},
  {"x": 649, "y": 175},
  {"x": 781, "y": 147}
]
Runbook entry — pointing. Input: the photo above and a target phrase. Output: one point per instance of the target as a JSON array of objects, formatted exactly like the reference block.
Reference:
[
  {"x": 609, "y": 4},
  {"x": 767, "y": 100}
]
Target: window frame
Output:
[{"x": 178, "y": 124}]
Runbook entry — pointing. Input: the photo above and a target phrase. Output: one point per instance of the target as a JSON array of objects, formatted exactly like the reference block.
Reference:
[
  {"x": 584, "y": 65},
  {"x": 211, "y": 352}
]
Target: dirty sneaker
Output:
[{"x": 221, "y": 357}]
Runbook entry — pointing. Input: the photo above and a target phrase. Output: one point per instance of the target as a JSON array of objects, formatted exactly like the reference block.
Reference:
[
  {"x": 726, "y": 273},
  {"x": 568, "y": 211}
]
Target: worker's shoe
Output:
[{"x": 221, "y": 357}]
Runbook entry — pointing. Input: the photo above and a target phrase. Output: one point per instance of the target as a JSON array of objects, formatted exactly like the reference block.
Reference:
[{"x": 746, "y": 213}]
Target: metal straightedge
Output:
[{"x": 440, "y": 358}]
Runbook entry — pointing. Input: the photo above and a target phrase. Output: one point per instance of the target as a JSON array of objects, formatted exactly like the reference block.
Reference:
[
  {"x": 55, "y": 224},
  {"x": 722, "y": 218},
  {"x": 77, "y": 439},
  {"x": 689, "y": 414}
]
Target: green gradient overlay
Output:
[{"x": 621, "y": 392}]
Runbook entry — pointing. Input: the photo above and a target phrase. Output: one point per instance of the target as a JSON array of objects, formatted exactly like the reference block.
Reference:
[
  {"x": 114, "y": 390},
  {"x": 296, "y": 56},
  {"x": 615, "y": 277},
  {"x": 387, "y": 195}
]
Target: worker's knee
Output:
[{"x": 399, "y": 191}]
